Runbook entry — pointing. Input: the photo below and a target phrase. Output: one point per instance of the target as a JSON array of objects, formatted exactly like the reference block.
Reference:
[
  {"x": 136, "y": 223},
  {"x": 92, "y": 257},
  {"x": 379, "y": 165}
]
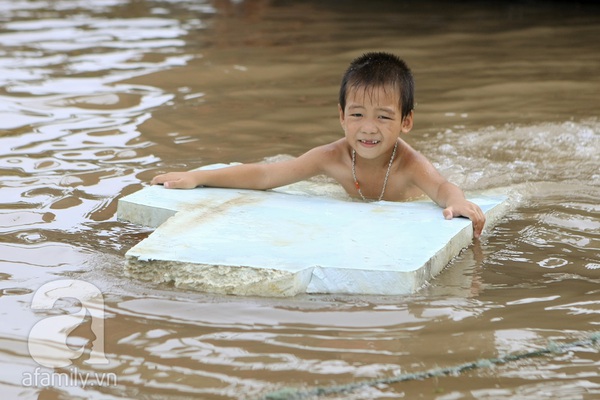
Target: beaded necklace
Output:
[{"x": 387, "y": 174}]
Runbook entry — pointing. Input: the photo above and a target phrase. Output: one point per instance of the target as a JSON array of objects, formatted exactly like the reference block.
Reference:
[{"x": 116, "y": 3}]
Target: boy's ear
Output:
[
  {"x": 407, "y": 122},
  {"x": 341, "y": 112}
]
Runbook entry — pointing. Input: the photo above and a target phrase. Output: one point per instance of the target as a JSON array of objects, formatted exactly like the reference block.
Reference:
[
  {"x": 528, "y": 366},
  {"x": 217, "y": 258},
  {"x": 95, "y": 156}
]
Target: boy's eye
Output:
[
  {"x": 384, "y": 117},
  {"x": 356, "y": 115}
]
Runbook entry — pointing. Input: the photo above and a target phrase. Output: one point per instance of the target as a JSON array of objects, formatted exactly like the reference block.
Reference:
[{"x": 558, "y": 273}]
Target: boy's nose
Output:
[{"x": 369, "y": 126}]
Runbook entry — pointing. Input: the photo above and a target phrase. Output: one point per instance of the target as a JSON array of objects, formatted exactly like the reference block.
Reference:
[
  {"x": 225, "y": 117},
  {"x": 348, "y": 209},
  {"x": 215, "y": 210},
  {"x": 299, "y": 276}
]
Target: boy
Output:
[{"x": 370, "y": 162}]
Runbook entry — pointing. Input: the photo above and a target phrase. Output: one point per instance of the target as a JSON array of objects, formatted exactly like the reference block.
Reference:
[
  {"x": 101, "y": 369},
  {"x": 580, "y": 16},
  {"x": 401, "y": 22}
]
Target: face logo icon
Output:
[{"x": 47, "y": 339}]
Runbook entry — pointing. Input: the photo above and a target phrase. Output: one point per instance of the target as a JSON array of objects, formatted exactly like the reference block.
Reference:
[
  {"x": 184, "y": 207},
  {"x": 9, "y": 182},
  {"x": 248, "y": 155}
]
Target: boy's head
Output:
[{"x": 383, "y": 70}]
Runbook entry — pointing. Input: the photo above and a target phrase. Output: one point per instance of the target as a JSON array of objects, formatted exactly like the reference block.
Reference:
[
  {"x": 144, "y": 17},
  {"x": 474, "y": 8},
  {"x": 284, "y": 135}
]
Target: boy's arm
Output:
[
  {"x": 247, "y": 176},
  {"x": 244, "y": 176},
  {"x": 447, "y": 195}
]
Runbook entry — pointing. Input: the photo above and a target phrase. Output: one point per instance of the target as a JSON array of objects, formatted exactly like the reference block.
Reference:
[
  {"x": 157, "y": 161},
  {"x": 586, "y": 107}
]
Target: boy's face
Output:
[{"x": 372, "y": 121}]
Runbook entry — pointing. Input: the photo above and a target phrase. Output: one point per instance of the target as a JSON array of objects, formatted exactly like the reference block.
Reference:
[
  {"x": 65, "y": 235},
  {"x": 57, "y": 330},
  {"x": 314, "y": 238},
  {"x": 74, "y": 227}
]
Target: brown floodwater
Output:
[{"x": 98, "y": 96}]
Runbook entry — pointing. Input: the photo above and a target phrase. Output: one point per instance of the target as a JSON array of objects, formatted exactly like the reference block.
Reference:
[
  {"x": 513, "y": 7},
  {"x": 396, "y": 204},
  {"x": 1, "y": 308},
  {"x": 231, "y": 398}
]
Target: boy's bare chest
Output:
[{"x": 398, "y": 186}]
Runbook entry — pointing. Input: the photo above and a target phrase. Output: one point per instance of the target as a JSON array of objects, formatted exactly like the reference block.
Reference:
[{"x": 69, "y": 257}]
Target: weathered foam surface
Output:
[{"x": 271, "y": 243}]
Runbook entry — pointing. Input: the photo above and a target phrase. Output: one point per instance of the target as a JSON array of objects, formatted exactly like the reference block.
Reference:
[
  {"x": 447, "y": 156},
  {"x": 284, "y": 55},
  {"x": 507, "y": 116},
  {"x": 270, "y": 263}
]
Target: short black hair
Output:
[{"x": 379, "y": 69}]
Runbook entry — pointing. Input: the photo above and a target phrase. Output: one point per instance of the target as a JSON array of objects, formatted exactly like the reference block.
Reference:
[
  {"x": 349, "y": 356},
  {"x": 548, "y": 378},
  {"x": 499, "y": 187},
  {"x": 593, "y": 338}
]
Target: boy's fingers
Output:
[
  {"x": 448, "y": 213},
  {"x": 163, "y": 180},
  {"x": 478, "y": 219},
  {"x": 175, "y": 184},
  {"x": 478, "y": 223},
  {"x": 477, "y": 228},
  {"x": 158, "y": 179},
  {"x": 169, "y": 181}
]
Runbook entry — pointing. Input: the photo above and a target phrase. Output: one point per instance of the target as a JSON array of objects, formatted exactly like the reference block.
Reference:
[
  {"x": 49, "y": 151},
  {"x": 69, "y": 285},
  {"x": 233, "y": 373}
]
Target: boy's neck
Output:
[{"x": 379, "y": 162}]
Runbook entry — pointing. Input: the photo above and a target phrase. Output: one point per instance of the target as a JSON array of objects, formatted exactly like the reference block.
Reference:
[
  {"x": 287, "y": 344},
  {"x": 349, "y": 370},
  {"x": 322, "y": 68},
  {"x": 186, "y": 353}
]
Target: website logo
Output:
[{"x": 47, "y": 339}]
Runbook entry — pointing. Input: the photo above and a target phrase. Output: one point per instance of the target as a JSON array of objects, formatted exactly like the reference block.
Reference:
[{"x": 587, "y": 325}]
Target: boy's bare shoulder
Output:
[
  {"x": 331, "y": 151},
  {"x": 328, "y": 158},
  {"x": 415, "y": 165},
  {"x": 409, "y": 156}
]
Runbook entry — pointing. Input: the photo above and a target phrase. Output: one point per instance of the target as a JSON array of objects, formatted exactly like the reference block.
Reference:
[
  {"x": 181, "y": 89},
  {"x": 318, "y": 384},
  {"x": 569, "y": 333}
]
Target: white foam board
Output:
[{"x": 271, "y": 243}]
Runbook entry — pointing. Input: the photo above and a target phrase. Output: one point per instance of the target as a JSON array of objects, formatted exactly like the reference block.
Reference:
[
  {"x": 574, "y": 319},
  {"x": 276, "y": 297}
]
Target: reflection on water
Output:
[{"x": 98, "y": 96}]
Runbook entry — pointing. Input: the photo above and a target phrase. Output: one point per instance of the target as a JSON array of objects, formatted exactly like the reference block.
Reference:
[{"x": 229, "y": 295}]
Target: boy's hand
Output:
[
  {"x": 175, "y": 180},
  {"x": 467, "y": 209}
]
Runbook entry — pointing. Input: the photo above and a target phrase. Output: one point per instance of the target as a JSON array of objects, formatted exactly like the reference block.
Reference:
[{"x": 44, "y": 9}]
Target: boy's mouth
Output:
[{"x": 369, "y": 142}]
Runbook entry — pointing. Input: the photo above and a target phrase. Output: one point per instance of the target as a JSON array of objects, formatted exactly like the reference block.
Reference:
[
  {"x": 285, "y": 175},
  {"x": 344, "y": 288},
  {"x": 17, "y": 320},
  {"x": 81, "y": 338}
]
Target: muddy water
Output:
[{"x": 99, "y": 96}]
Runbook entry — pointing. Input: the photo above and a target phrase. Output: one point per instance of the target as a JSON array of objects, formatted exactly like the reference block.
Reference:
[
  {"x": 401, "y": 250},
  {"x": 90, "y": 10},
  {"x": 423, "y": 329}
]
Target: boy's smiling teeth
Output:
[{"x": 369, "y": 141}]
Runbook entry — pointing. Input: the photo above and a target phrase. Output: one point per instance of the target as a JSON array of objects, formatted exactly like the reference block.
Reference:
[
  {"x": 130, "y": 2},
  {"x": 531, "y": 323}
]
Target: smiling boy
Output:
[{"x": 370, "y": 162}]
